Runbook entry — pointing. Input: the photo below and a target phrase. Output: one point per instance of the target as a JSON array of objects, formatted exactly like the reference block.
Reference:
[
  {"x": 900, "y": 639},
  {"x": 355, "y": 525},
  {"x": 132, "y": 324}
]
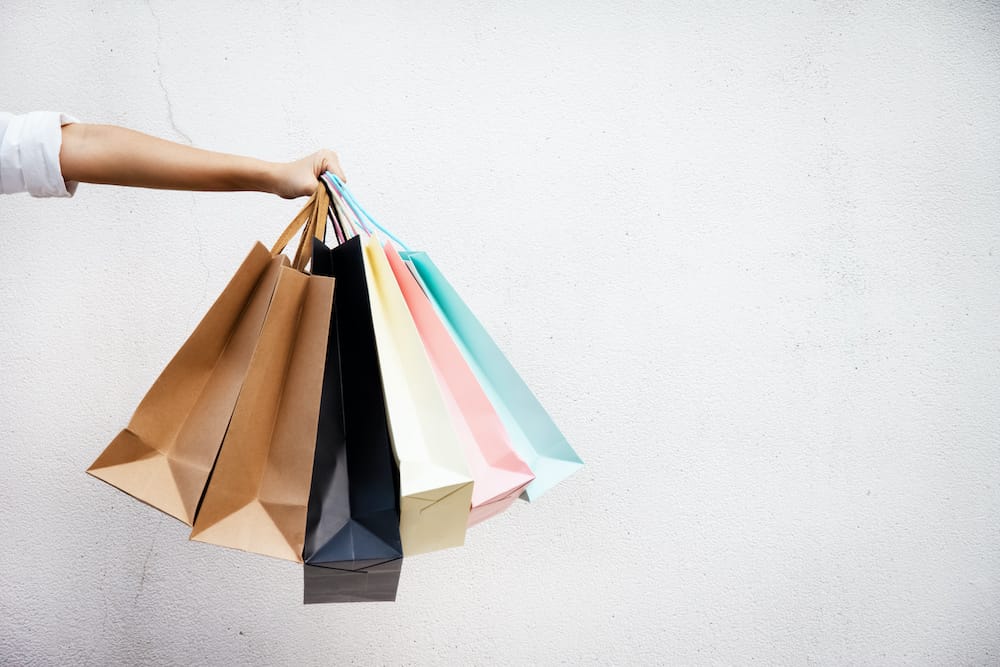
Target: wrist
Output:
[{"x": 264, "y": 176}]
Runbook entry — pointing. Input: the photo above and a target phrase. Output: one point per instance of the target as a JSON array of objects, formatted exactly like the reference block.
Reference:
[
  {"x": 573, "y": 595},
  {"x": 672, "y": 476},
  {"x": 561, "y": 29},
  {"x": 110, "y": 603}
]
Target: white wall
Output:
[{"x": 748, "y": 257}]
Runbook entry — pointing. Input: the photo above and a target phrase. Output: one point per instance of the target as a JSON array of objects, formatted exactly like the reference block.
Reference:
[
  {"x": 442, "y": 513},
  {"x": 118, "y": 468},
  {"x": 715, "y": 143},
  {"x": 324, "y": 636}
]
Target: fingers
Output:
[{"x": 327, "y": 160}]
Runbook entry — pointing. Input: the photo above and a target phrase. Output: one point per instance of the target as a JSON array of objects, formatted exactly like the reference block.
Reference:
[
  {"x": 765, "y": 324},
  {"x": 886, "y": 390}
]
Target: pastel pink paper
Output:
[{"x": 499, "y": 473}]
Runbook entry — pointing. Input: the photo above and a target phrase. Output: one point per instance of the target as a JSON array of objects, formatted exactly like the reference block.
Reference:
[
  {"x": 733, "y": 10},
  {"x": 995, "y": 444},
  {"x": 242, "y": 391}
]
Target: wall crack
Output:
[{"x": 159, "y": 75}]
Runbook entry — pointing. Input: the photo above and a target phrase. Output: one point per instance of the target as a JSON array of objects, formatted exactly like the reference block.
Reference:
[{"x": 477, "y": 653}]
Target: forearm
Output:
[{"x": 119, "y": 156}]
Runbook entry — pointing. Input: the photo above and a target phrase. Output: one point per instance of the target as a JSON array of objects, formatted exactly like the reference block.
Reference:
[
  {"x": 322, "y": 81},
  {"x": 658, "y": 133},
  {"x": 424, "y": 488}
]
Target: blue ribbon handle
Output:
[
  {"x": 359, "y": 210},
  {"x": 327, "y": 178}
]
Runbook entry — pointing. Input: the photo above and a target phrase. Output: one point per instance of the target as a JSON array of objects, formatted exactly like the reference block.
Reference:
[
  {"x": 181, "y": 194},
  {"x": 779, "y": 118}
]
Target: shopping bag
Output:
[
  {"x": 498, "y": 472},
  {"x": 257, "y": 497},
  {"x": 165, "y": 454},
  {"x": 435, "y": 486},
  {"x": 533, "y": 433},
  {"x": 352, "y": 546}
]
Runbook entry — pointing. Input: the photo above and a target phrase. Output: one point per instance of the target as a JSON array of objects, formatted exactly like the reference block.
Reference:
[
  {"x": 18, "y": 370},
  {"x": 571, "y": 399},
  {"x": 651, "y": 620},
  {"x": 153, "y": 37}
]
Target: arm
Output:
[{"x": 119, "y": 156}]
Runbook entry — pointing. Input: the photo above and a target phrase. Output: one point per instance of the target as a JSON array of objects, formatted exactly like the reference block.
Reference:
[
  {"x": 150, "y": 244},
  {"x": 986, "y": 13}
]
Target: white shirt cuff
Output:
[{"x": 29, "y": 155}]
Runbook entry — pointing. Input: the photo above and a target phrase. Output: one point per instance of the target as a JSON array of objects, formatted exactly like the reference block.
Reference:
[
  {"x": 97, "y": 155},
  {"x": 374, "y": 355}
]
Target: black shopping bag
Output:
[{"x": 352, "y": 548}]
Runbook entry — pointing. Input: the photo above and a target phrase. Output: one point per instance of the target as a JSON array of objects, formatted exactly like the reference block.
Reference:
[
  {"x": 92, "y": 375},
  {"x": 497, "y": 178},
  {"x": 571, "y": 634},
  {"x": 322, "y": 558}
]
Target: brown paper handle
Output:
[
  {"x": 321, "y": 229},
  {"x": 310, "y": 220},
  {"x": 314, "y": 226},
  {"x": 294, "y": 226}
]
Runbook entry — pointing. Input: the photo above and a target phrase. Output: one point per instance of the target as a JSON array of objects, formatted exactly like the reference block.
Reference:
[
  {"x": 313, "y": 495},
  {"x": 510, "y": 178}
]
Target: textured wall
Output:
[{"x": 748, "y": 257}]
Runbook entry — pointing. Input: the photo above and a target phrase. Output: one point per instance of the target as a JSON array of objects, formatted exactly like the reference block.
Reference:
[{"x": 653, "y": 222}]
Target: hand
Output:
[{"x": 298, "y": 179}]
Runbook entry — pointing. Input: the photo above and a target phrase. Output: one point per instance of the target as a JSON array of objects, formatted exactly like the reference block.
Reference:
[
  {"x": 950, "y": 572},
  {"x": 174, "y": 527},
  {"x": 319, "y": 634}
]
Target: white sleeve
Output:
[{"x": 29, "y": 154}]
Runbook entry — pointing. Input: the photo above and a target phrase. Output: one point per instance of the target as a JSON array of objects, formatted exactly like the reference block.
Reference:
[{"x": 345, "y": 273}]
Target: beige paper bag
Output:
[{"x": 435, "y": 485}]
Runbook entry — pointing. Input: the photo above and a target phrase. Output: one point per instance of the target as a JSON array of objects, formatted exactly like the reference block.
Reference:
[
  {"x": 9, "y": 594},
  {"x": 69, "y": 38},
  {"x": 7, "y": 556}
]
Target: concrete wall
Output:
[{"x": 748, "y": 256}]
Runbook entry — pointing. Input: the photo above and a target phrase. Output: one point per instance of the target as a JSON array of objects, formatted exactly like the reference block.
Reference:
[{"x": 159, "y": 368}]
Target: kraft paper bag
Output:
[
  {"x": 499, "y": 473},
  {"x": 534, "y": 434},
  {"x": 435, "y": 486},
  {"x": 352, "y": 548},
  {"x": 166, "y": 453},
  {"x": 257, "y": 497}
]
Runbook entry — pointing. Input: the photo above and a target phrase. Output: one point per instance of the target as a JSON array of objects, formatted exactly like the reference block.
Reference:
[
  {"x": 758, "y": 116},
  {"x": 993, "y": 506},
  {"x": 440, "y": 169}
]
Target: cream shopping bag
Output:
[{"x": 435, "y": 485}]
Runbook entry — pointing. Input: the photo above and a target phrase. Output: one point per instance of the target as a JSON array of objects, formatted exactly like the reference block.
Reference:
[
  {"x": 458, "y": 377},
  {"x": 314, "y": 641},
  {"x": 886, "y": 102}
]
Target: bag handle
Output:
[
  {"x": 303, "y": 253},
  {"x": 349, "y": 213},
  {"x": 307, "y": 220},
  {"x": 334, "y": 213},
  {"x": 349, "y": 222},
  {"x": 294, "y": 226},
  {"x": 336, "y": 216},
  {"x": 343, "y": 227},
  {"x": 359, "y": 210}
]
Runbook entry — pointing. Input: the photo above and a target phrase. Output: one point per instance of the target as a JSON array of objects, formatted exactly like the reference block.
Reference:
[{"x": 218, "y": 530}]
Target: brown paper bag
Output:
[
  {"x": 166, "y": 453},
  {"x": 258, "y": 495}
]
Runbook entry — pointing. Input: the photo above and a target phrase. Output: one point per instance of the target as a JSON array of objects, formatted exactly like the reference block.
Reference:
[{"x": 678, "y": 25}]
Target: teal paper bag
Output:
[{"x": 532, "y": 432}]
